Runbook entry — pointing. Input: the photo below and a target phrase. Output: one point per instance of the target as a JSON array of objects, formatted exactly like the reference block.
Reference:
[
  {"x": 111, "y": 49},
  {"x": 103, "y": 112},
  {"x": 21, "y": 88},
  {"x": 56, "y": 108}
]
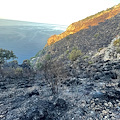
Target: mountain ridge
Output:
[{"x": 85, "y": 23}]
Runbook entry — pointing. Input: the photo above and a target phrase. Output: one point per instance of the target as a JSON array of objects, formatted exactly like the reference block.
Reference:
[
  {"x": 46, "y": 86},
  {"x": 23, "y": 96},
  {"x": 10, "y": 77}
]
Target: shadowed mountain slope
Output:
[{"x": 87, "y": 40}]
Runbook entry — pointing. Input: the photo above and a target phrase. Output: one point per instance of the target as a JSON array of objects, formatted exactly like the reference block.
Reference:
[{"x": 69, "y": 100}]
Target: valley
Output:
[{"x": 26, "y": 39}]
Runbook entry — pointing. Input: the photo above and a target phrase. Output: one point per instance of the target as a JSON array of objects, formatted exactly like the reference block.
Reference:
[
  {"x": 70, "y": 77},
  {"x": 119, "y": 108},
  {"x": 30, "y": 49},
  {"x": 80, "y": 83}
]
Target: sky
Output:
[{"x": 62, "y": 12}]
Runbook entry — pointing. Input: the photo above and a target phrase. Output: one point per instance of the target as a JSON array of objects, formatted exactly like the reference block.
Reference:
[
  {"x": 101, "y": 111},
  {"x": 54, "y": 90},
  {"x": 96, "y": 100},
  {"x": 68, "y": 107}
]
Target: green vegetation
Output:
[
  {"x": 90, "y": 62},
  {"x": 96, "y": 35},
  {"x": 116, "y": 42},
  {"x": 18, "y": 71},
  {"x": 118, "y": 50},
  {"x": 6, "y": 55},
  {"x": 47, "y": 57},
  {"x": 100, "y": 49},
  {"x": 74, "y": 54},
  {"x": 85, "y": 57},
  {"x": 110, "y": 8},
  {"x": 42, "y": 52},
  {"x": 39, "y": 66},
  {"x": 92, "y": 16},
  {"x": 89, "y": 17},
  {"x": 74, "y": 48},
  {"x": 67, "y": 51}
]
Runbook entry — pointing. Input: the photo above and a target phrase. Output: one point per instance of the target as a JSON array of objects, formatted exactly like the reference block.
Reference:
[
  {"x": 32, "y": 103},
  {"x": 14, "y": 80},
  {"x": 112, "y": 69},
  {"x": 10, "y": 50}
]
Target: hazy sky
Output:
[{"x": 52, "y": 11}]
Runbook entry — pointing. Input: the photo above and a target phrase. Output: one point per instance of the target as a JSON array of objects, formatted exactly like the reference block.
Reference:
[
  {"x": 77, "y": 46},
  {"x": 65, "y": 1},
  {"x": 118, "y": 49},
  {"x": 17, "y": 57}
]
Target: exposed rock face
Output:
[
  {"x": 85, "y": 23},
  {"x": 111, "y": 52}
]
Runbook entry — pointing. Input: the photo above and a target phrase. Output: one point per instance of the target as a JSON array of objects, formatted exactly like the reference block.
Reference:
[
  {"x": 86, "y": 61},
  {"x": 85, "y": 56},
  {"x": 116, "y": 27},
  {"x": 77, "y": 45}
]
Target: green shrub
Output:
[
  {"x": 18, "y": 71},
  {"x": 74, "y": 54},
  {"x": 47, "y": 57},
  {"x": 67, "y": 51},
  {"x": 90, "y": 62},
  {"x": 100, "y": 49},
  {"x": 96, "y": 35},
  {"x": 6, "y": 55},
  {"x": 116, "y": 42}
]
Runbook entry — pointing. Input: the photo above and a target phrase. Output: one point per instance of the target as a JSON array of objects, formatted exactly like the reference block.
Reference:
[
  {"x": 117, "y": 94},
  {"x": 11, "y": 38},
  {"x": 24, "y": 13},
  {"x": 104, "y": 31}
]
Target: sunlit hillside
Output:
[{"x": 85, "y": 23}]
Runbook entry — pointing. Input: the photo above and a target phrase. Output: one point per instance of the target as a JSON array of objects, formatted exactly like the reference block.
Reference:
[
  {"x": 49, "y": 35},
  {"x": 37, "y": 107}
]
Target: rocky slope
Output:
[
  {"x": 87, "y": 88},
  {"x": 85, "y": 23},
  {"x": 89, "y": 41},
  {"x": 89, "y": 92}
]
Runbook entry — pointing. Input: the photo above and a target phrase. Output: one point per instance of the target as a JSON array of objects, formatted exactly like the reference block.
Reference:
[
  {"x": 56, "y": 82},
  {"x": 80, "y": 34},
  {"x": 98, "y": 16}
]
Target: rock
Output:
[
  {"x": 60, "y": 103},
  {"x": 110, "y": 104},
  {"x": 112, "y": 95},
  {"x": 98, "y": 94},
  {"x": 90, "y": 118},
  {"x": 93, "y": 105},
  {"x": 83, "y": 103},
  {"x": 106, "y": 104},
  {"x": 118, "y": 84},
  {"x": 34, "y": 115},
  {"x": 96, "y": 77},
  {"x": 104, "y": 112},
  {"x": 119, "y": 104},
  {"x": 111, "y": 74},
  {"x": 117, "y": 67},
  {"x": 34, "y": 92},
  {"x": 113, "y": 118}
]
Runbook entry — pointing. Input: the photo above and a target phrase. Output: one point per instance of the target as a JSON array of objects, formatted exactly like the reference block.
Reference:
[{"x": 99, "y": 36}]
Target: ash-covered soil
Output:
[{"x": 92, "y": 94}]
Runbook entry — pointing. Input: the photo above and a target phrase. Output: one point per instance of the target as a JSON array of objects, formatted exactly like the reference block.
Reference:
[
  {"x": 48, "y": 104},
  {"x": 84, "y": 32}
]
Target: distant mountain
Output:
[
  {"x": 85, "y": 23},
  {"x": 7, "y": 22},
  {"x": 26, "y": 38}
]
